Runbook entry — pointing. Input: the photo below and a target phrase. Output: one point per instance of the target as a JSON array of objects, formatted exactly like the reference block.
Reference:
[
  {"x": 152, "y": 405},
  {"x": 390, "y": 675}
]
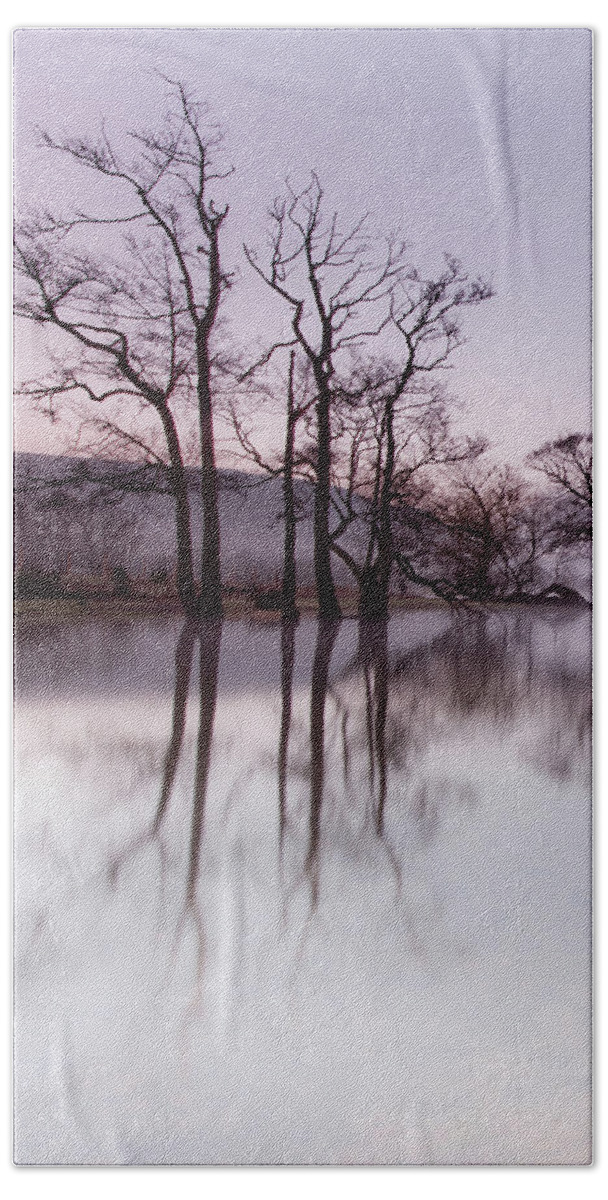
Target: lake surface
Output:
[{"x": 304, "y": 896}]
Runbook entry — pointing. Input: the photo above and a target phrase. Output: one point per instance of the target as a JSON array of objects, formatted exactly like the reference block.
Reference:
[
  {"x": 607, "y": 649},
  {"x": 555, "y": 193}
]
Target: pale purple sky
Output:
[{"x": 476, "y": 142}]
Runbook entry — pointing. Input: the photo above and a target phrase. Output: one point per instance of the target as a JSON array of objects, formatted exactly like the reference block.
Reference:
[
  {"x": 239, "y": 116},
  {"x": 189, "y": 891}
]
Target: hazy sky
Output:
[{"x": 476, "y": 142}]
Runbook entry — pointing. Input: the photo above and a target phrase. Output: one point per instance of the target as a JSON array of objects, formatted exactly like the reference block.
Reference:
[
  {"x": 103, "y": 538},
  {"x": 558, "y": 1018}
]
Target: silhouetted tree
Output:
[
  {"x": 487, "y": 535},
  {"x": 390, "y": 445},
  {"x": 286, "y": 465},
  {"x": 140, "y": 314},
  {"x": 332, "y": 287},
  {"x": 568, "y": 464}
]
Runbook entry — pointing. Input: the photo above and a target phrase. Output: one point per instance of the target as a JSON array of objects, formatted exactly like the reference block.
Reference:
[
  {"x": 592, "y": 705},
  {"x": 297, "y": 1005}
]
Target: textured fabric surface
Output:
[{"x": 311, "y": 892}]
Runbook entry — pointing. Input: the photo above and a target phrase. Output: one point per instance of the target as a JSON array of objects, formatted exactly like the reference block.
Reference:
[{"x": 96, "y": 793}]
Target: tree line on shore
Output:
[{"x": 131, "y": 297}]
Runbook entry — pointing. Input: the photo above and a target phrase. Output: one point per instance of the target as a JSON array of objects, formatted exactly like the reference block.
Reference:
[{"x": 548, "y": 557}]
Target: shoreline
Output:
[{"x": 43, "y": 611}]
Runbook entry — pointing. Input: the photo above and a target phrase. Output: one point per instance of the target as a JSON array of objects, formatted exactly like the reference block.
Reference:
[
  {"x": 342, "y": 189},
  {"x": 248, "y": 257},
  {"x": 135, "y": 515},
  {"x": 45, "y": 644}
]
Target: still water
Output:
[{"x": 304, "y": 896}]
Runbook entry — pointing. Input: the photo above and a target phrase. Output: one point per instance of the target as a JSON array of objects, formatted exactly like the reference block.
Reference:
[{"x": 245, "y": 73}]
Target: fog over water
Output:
[{"x": 304, "y": 895}]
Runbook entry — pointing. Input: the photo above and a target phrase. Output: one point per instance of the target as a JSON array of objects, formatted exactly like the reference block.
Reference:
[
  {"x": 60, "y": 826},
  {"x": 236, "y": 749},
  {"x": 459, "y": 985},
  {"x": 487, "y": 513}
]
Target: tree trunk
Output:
[
  {"x": 211, "y": 578},
  {"x": 329, "y": 608},
  {"x": 374, "y": 590},
  {"x": 372, "y": 595},
  {"x": 385, "y": 540},
  {"x": 483, "y": 588},
  {"x": 288, "y": 597},
  {"x": 381, "y": 704},
  {"x": 186, "y": 585}
]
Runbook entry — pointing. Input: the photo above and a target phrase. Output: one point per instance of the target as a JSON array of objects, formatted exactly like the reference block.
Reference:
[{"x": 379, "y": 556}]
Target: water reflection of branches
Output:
[
  {"x": 373, "y": 655},
  {"x": 365, "y": 745},
  {"x": 288, "y": 631},
  {"x": 327, "y": 632},
  {"x": 320, "y": 739},
  {"x": 183, "y": 668},
  {"x": 372, "y": 661},
  {"x": 489, "y": 667},
  {"x": 485, "y": 671},
  {"x": 208, "y": 634}
]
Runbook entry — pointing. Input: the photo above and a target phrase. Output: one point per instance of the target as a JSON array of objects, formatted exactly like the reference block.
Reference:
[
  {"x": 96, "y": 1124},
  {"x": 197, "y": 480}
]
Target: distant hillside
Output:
[
  {"x": 83, "y": 516},
  {"x": 77, "y": 517}
]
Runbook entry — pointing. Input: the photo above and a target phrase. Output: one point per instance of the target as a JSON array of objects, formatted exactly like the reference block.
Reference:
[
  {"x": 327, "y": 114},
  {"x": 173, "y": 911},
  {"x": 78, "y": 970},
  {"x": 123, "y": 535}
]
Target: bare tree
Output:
[
  {"x": 392, "y": 442},
  {"x": 568, "y": 464},
  {"x": 340, "y": 295},
  {"x": 332, "y": 285},
  {"x": 487, "y": 535},
  {"x": 424, "y": 315},
  {"x": 297, "y": 398},
  {"x": 141, "y": 315}
]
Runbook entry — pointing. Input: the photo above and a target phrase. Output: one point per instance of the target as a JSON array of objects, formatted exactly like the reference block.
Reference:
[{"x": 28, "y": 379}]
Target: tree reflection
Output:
[
  {"x": 184, "y": 654},
  {"x": 373, "y": 658},
  {"x": 358, "y": 788},
  {"x": 493, "y": 669},
  {"x": 288, "y": 633},
  {"x": 327, "y": 632},
  {"x": 210, "y": 636}
]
